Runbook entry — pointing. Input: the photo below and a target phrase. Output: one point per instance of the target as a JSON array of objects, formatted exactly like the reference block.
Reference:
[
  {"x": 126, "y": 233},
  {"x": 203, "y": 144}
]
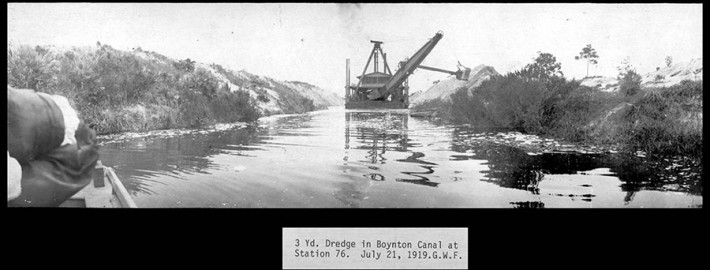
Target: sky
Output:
[{"x": 309, "y": 42}]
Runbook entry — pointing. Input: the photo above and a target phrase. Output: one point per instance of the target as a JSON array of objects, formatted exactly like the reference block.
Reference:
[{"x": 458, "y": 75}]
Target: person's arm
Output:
[
  {"x": 35, "y": 124},
  {"x": 71, "y": 119},
  {"x": 56, "y": 153},
  {"x": 51, "y": 179},
  {"x": 14, "y": 177}
]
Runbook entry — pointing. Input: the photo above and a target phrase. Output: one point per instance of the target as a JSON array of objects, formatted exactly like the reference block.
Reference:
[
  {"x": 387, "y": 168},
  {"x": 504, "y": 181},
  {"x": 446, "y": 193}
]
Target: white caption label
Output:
[{"x": 381, "y": 248}]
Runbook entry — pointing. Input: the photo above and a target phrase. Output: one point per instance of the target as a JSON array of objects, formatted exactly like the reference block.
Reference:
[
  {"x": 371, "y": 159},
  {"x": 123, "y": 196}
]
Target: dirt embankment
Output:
[
  {"x": 443, "y": 89},
  {"x": 275, "y": 96}
]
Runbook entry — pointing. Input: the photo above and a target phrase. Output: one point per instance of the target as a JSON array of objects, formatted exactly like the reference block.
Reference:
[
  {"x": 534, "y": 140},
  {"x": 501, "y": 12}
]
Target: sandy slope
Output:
[
  {"x": 256, "y": 85},
  {"x": 444, "y": 88},
  {"x": 665, "y": 76},
  {"x": 319, "y": 96}
]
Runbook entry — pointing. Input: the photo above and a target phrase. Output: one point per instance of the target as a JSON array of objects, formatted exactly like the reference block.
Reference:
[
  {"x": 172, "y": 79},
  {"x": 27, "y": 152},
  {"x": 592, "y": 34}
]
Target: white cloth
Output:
[
  {"x": 71, "y": 120},
  {"x": 14, "y": 177}
]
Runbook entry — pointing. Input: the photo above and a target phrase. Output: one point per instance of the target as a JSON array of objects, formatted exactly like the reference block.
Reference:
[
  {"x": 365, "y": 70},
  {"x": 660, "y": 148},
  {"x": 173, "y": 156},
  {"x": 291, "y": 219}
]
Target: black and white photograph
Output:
[{"x": 333, "y": 105}]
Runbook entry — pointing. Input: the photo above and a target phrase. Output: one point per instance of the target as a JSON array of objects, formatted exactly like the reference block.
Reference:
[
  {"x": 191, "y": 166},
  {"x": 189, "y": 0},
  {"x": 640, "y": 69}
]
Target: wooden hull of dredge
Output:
[{"x": 375, "y": 104}]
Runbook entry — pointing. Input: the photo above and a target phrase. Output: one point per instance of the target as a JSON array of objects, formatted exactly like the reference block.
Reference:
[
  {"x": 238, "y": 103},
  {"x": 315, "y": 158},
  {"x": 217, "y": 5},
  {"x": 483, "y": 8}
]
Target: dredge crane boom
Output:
[
  {"x": 460, "y": 74},
  {"x": 408, "y": 66},
  {"x": 412, "y": 63}
]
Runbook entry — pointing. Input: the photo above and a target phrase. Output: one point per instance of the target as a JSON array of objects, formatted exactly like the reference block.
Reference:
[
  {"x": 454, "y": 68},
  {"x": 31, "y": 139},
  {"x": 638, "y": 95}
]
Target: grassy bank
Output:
[
  {"x": 137, "y": 90},
  {"x": 665, "y": 121}
]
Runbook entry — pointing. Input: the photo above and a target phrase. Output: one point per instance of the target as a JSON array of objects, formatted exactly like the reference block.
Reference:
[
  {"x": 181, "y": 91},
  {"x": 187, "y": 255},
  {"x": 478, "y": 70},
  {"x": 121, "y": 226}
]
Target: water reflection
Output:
[
  {"x": 511, "y": 167},
  {"x": 662, "y": 175},
  {"x": 528, "y": 205},
  {"x": 420, "y": 179},
  {"x": 378, "y": 132}
]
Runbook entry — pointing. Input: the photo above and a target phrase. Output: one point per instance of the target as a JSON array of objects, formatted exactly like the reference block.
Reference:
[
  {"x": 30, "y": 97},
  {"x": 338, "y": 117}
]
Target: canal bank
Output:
[{"x": 658, "y": 122}]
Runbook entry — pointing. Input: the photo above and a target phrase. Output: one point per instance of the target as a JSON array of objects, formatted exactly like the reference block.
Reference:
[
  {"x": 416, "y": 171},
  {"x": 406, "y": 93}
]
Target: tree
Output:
[
  {"x": 630, "y": 83},
  {"x": 588, "y": 53},
  {"x": 186, "y": 65},
  {"x": 659, "y": 78},
  {"x": 201, "y": 81},
  {"x": 544, "y": 67},
  {"x": 629, "y": 80},
  {"x": 625, "y": 67},
  {"x": 669, "y": 61}
]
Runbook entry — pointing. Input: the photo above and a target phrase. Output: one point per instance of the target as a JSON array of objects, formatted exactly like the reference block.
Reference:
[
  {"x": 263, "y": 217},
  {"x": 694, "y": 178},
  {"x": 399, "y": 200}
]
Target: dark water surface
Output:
[{"x": 346, "y": 158}]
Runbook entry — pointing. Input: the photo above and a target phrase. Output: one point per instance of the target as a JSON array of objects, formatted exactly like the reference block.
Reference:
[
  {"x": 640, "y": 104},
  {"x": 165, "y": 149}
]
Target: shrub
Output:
[
  {"x": 194, "y": 109},
  {"x": 574, "y": 113},
  {"x": 687, "y": 89},
  {"x": 77, "y": 78},
  {"x": 235, "y": 106},
  {"x": 200, "y": 81},
  {"x": 262, "y": 98},
  {"x": 307, "y": 104},
  {"x": 261, "y": 95},
  {"x": 666, "y": 121},
  {"x": 31, "y": 68},
  {"x": 630, "y": 83},
  {"x": 186, "y": 65},
  {"x": 662, "y": 121},
  {"x": 121, "y": 91},
  {"x": 466, "y": 109},
  {"x": 524, "y": 100}
]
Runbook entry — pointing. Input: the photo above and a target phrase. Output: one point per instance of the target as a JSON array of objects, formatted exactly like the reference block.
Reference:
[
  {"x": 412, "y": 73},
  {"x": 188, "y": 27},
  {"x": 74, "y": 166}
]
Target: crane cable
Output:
[
  {"x": 453, "y": 39},
  {"x": 458, "y": 61},
  {"x": 449, "y": 47},
  {"x": 453, "y": 49}
]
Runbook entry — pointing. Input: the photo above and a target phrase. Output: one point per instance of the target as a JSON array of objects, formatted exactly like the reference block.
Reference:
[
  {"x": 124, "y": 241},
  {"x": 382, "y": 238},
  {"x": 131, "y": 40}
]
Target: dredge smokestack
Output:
[{"x": 347, "y": 78}]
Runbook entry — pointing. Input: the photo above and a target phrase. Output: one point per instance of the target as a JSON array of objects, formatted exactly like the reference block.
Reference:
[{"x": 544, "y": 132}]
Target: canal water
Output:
[{"x": 380, "y": 159}]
